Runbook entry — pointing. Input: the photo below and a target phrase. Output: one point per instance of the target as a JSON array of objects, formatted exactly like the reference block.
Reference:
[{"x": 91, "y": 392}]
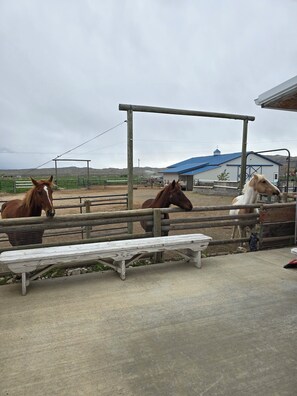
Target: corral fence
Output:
[
  {"x": 275, "y": 224},
  {"x": 84, "y": 203},
  {"x": 232, "y": 189},
  {"x": 21, "y": 185}
]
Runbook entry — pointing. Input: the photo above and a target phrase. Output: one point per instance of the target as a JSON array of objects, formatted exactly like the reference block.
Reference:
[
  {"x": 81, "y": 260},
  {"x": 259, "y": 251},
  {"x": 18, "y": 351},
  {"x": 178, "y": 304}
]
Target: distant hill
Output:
[
  {"x": 75, "y": 171},
  {"x": 138, "y": 171}
]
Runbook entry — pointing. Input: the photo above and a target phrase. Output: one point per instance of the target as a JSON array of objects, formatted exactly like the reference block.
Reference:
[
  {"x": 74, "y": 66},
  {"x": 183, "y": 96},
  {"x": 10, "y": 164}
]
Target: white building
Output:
[{"x": 212, "y": 168}]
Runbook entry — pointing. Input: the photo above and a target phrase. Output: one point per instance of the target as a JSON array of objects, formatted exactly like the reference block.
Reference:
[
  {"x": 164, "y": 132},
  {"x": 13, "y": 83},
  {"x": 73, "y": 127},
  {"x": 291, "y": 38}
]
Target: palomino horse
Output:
[
  {"x": 258, "y": 184},
  {"x": 169, "y": 195},
  {"x": 37, "y": 199}
]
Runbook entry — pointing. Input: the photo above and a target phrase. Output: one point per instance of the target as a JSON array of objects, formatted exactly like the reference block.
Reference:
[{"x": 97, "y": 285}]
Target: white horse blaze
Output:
[{"x": 48, "y": 197}]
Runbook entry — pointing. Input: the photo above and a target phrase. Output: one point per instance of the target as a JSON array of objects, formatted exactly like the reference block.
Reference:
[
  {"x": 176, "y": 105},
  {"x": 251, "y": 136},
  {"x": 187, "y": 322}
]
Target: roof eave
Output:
[{"x": 281, "y": 97}]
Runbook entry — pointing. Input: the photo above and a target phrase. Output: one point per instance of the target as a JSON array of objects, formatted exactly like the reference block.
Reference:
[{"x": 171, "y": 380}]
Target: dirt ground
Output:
[
  {"x": 143, "y": 193},
  {"x": 139, "y": 196}
]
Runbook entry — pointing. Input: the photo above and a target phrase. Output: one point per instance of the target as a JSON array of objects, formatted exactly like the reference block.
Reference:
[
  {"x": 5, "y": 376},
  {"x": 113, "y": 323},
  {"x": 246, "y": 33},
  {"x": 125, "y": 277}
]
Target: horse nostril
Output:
[{"x": 50, "y": 213}]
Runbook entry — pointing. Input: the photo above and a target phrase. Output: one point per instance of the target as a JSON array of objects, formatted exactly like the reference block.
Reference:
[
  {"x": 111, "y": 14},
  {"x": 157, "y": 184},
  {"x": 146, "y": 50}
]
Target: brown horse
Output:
[
  {"x": 38, "y": 198},
  {"x": 169, "y": 195}
]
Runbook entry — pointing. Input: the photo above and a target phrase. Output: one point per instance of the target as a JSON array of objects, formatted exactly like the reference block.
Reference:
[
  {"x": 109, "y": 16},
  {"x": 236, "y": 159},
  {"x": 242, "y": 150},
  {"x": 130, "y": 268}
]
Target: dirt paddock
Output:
[
  {"x": 139, "y": 196},
  {"x": 143, "y": 193}
]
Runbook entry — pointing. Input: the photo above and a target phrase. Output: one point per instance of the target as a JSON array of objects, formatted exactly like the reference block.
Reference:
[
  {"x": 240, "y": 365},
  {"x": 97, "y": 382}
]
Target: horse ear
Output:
[
  {"x": 50, "y": 180},
  {"x": 173, "y": 183},
  {"x": 35, "y": 182},
  {"x": 254, "y": 180},
  {"x": 256, "y": 176}
]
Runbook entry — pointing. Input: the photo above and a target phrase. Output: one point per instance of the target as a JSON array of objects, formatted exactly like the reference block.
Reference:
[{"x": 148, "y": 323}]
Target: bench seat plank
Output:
[{"x": 27, "y": 260}]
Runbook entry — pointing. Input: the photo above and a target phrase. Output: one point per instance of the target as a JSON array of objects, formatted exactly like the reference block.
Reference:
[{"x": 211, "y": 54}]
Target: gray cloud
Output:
[{"x": 66, "y": 66}]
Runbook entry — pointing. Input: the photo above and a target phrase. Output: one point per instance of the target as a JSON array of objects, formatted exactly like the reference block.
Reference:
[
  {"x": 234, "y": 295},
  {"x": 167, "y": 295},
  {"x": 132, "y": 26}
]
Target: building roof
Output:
[
  {"x": 195, "y": 165},
  {"x": 281, "y": 97}
]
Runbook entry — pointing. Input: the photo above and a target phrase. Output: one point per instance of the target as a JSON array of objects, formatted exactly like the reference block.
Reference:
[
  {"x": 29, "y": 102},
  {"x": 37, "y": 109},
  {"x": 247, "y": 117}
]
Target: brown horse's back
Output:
[
  {"x": 147, "y": 203},
  {"x": 10, "y": 208}
]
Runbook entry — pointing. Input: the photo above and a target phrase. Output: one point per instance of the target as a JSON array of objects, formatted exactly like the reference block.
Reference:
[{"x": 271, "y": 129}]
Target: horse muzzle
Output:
[{"x": 50, "y": 213}]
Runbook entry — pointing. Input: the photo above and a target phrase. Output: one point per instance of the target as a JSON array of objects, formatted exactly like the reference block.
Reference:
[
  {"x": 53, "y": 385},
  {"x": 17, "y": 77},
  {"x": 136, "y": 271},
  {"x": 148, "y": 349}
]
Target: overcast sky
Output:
[{"x": 66, "y": 65}]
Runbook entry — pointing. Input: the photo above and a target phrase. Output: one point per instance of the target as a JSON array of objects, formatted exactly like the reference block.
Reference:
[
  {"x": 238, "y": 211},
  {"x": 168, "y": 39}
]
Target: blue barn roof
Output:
[{"x": 196, "y": 165}]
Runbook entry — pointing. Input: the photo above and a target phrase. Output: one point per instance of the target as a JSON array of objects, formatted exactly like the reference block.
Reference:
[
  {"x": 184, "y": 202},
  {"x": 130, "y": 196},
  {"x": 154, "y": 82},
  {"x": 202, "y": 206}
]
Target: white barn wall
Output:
[
  {"x": 266, "y": 167},
  {"x": 255, "y": 163},
  {"x": 169, "y": 177}
]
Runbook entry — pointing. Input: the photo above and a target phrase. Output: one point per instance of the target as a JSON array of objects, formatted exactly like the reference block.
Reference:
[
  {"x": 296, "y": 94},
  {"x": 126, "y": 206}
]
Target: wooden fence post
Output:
[
  {"x": 88, "y": 210},
  {"x": 157, "y": 231},
  {"x": 157, "y": 225}
]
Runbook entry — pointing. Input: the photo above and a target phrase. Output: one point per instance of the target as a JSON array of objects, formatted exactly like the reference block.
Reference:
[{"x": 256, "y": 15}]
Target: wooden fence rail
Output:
[
  {"x": 90, "y": 200},
  {"x": 103, "y": 226}
]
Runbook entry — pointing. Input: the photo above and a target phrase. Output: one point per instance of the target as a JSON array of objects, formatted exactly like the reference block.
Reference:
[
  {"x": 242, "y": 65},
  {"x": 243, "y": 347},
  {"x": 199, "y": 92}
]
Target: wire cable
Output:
[
  {"x": 80, "y": 145},
  {"x": 88, "y": 141}
]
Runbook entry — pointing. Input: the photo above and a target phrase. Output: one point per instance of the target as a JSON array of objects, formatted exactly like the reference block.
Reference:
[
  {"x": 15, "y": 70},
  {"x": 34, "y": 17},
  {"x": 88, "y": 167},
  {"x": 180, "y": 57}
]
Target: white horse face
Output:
[{"x": 263, "y": 186}]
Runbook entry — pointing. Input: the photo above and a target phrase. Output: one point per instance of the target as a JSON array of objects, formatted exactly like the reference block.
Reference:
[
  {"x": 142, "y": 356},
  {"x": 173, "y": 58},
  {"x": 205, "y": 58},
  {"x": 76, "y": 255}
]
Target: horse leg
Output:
[
  {"x": 243, "y": 235},
  {"x": 233, "y": 232}
]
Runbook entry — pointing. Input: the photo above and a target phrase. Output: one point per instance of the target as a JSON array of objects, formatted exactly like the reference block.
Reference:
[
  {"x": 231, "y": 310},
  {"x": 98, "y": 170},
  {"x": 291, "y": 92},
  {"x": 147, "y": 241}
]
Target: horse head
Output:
[
  {"x": 42, "y": 194},
  {"x": 263, "y": 186},
  {"x": 177, "y": 197}
]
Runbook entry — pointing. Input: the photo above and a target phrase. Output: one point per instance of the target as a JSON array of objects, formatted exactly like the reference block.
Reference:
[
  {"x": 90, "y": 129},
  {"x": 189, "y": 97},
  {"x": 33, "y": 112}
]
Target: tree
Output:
[{"x": 224, "y": 176}]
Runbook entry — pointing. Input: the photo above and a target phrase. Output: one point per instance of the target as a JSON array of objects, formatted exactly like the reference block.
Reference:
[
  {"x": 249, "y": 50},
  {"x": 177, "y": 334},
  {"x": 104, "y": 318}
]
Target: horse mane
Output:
[
  {"x": 29, "y": 197},
  {"x": 247, "y": 184},
  {"x": 160, "y": 193},
  {"x": 245, "y": 187}
]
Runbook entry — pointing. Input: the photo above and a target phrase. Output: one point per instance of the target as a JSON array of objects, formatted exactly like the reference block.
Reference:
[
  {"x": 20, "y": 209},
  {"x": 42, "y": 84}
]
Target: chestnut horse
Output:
[
  {"x": 257, "y": 185},
  {"x": 38, "y": 198},
  {"x": 170, "y": 195}
]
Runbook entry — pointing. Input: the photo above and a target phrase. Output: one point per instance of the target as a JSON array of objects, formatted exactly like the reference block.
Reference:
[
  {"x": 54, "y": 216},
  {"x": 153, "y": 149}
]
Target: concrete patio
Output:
[{"x": 169, "y": 329}]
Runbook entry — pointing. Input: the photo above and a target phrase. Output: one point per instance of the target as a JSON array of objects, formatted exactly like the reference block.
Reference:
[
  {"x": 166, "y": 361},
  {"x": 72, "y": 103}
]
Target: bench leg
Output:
[
  {"x": 25, "y": 283},
  {"x": 196, "y": 258},
  {"x": 121, "y": 268}
]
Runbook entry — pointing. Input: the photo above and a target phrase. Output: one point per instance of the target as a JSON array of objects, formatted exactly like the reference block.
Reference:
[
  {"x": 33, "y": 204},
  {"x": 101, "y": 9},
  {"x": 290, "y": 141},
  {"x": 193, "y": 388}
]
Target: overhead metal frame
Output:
[
  {"x": 163, "y": 110},
  {"x": 289, "y": 161},
  {"x": 72, "y": 160}
]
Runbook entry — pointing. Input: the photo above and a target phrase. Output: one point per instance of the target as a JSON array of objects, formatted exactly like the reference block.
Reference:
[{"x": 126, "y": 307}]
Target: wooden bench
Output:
[{"x": 123, "y": 253}]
